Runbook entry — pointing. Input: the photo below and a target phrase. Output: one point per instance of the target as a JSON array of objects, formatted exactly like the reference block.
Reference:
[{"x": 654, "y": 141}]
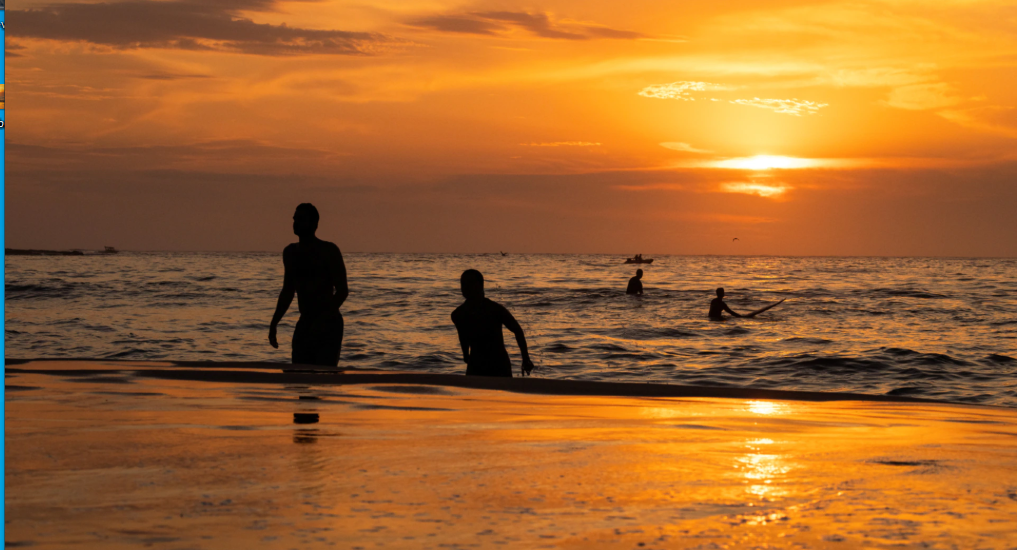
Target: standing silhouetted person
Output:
[
  {"x": 718, "y": 307},
  {"x": 478, "y": 321},
  {"x": 635, "y": 284},
  {"x": 316, "y": 273}
]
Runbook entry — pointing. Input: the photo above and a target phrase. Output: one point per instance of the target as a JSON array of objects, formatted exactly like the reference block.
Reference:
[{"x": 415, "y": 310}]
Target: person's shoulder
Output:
[
  {"x": 461, "y": 313},
  {"x": 330, "y": 247},
  {"x": 491, "y": 305},
  {"x": 290, "y": 250}
]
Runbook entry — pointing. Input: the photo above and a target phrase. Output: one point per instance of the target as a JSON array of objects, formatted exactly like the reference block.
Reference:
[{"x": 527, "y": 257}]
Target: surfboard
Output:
[{"x": 762, "y": 309}]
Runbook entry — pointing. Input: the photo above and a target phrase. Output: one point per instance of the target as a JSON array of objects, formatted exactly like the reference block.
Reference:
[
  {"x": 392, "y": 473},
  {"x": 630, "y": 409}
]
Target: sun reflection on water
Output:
[
  {"x": 768, "y": 407},
  {"x": 761, "y": 469}
]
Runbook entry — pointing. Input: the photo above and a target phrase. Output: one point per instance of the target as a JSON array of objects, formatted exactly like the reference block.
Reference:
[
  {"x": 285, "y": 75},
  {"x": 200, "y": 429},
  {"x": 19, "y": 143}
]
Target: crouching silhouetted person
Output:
[
  {"x": 315, "y": 272},
  {"x": 478, "y": 321}
]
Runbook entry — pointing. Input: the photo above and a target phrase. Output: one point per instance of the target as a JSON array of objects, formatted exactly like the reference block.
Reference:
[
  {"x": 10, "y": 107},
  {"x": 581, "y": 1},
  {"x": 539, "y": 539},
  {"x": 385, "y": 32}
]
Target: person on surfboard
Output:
[{"x": 718, "y": 307}]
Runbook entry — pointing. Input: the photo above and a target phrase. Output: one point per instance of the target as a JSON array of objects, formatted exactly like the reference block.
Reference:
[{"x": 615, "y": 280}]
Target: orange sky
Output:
[{"x": 800, "y": 127}]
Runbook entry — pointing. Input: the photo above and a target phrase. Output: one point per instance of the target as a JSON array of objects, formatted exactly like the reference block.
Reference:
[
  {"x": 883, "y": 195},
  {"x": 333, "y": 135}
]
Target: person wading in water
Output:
[
  {"x": 478, "y": 321},
  {"x": 315, "y": 272}
]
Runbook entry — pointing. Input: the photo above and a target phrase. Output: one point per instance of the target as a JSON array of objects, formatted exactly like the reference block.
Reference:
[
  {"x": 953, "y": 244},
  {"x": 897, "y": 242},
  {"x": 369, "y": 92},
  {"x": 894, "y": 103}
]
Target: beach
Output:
[{"x": 127, "y": 454}]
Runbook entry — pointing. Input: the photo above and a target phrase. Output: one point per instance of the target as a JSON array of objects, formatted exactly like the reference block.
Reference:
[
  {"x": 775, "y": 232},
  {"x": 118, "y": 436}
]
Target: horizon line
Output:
[{"x": 559, "y": 254}]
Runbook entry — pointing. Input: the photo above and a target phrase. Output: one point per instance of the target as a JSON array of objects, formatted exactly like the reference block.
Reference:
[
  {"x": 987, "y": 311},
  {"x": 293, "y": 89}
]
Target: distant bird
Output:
[
  {"x": 734, "y": 239},
  {"x": 503, "y": 253}
]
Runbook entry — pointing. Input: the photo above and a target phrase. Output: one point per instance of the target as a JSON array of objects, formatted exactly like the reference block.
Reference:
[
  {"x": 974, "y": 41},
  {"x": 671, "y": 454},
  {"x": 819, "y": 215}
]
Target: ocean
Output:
[{"x": 935, "y": 328}]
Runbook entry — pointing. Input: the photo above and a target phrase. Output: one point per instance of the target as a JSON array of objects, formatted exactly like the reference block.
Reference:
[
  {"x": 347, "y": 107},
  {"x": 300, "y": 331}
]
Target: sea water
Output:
[{"x": 937, "y": 328}]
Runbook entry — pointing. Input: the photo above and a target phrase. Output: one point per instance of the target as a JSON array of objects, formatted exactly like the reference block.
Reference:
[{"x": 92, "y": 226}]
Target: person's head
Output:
[
  {"x": 472, "y": 284},
  {"x": 305, "y": 220},
  {"x": 720, "y": 292},
  {"x": 639, "y": 273}
]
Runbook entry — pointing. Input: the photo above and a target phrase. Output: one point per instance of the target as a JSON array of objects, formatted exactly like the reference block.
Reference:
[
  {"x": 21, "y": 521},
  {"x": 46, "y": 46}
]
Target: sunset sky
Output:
[{"x": 800, "y": 127}]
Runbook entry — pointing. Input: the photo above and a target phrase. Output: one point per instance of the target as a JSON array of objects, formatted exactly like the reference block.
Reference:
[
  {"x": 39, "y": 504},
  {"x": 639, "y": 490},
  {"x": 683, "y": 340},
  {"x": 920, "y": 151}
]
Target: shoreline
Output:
[
  {"x": 286, "y": 373},
  {"x": 279, "y": 460}
]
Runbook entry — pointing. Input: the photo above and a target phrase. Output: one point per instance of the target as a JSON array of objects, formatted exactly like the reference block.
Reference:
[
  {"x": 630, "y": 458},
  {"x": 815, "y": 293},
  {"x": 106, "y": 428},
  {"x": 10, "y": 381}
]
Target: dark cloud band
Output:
[
  {"x": 183, "y": 24},
  {"x": 492, "y": 23}
]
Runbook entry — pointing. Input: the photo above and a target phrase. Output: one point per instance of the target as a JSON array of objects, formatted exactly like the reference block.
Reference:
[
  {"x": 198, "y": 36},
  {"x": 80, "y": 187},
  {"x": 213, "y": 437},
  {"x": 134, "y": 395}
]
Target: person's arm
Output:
[
  {"x": 513, "y": 325},
  {"x": 640, "y": 288},
  {"x": 337, "y": 268},
  {"x": 727, "y": 309},
  {"x": 462, "y": 341},
  {"x": 285, "y": 297}
]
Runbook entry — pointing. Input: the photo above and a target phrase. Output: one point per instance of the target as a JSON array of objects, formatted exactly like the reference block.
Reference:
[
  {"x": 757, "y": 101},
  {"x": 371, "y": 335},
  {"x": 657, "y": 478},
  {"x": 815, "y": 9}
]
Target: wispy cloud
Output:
[
  {"x": 497, "y": 23},
  {"x": 679, "y": 90},
  {"x": 186, "y": 25},
  {"x": 464, "y": 24},
  {"x": 767, "y": 190},
  {"x": 562, "y": 144},
  {"x": 923, "y": 97},
  {"x": 685, "y": 90},
  {"x": 796, "y": 107},
  {"x": 683, "y": 147},
  {"x": 1001, "y": 121},
  {"x": 653, "y": 187},
  {"x": 169, "y": 76}
]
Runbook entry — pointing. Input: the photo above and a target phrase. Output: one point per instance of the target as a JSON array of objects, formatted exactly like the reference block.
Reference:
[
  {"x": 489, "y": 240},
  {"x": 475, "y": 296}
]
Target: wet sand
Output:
[{"x": 219, "y": 455}]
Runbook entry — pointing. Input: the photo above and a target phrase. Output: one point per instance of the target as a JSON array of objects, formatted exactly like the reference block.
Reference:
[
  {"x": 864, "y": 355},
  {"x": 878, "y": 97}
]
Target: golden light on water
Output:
[
  {"x": 768, "y": 408},
  {"x": 761, "y": 469}
]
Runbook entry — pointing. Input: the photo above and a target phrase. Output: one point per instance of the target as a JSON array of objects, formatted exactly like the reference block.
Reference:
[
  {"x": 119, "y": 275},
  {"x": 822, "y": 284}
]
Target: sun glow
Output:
[{"x": 766, "y": 162}]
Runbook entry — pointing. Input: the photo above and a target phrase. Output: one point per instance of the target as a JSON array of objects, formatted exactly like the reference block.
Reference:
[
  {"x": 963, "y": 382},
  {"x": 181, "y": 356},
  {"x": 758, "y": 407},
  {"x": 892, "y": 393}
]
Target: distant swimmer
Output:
[
  {"x": 315, "y": 272},
  {"x": 478, "y": 321},
  {"x": 635, "y": 285},
  {"x": 718, "y": 307}
]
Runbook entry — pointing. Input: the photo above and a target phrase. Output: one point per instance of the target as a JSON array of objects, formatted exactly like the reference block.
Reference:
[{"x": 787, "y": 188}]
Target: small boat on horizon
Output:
[
  {"x": 638, "y": 259},
  {"x": 110, "y": 250}
]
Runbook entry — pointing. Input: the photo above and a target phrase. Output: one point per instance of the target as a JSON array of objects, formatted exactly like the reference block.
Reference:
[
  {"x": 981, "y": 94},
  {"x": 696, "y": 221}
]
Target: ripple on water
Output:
[{"x": 858, "y": 324}]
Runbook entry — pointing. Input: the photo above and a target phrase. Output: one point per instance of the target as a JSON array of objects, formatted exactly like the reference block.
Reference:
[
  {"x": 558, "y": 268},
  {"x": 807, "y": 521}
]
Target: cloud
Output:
[
  {"x": 562, "y": 144},
  {"x": 170, "y": 76},
  {"x": 679, "y": 90},
  {"x": 222, "y": 154},
  {"x": 998, "y": 120},
  {"x": 495, "y": 23},
  {"x": 683, "y": 147},
  {"x": 881, "y": 76},
  {"x": 186, "y": 25},
  {"x": 767, "y": 190},
  {"x": 684, "y": 90},
  {"x": 922, "y": 97},
  {"x": 794, "y": 107},
  {"x": 10, "y": 49},
  {"x": 459, "y": 24}
]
